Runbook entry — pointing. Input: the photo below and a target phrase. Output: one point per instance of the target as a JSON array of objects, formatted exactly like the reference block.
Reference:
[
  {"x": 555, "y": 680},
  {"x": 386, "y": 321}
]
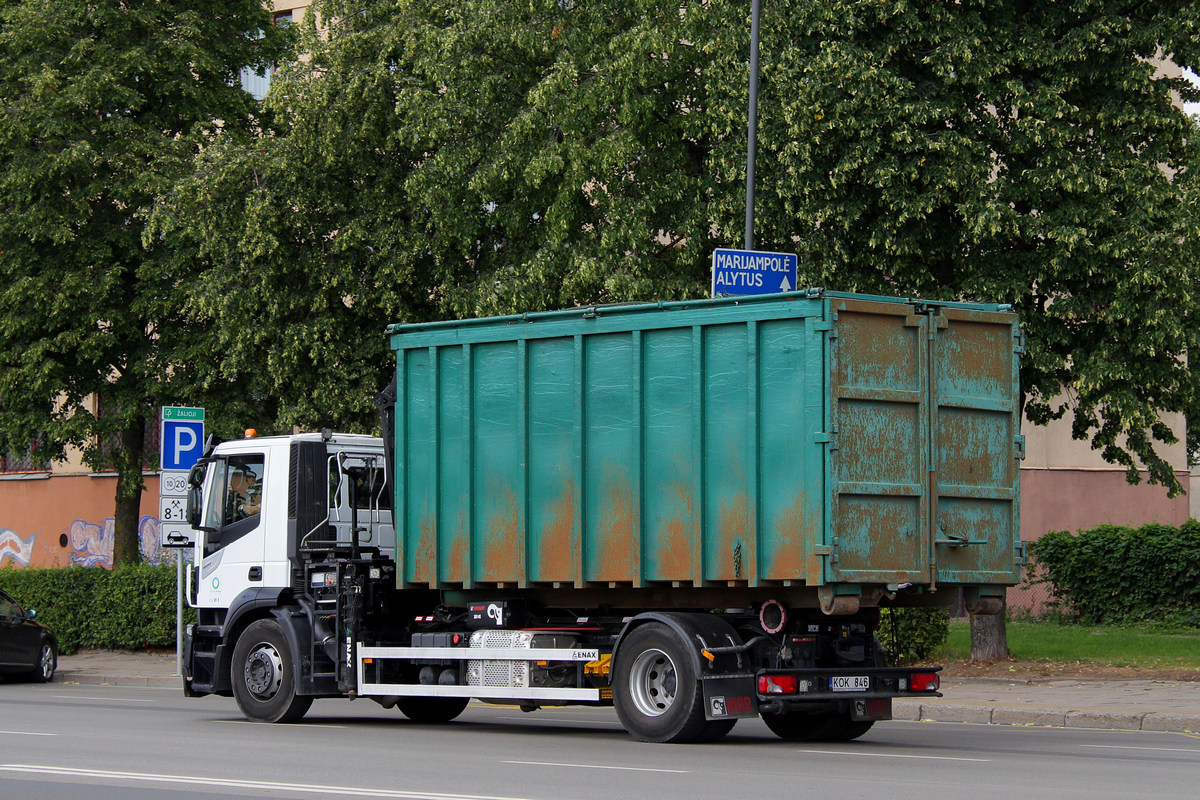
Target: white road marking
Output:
[
  {"x": 25, "y": 733},
  {"x": 891, "y": 755},
  {"x": 1133, "y": 747},
  {"x": 595, "y": 766},
  {"x": 226, "y": 783}
]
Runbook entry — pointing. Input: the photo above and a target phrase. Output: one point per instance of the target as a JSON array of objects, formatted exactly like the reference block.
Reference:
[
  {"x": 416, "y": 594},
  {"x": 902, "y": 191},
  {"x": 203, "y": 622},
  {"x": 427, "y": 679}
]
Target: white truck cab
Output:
[{"x": 249, "y": 510}]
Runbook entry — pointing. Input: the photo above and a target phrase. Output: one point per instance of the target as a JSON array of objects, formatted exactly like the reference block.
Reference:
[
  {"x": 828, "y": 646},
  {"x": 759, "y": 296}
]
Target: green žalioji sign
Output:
[{"x": 182, "y": 413}]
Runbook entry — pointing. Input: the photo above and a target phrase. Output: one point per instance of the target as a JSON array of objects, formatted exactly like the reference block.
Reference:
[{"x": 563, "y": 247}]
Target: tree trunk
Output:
[
  {"x": 989, "y": 638},
  {"x": 126, "y": 519}
]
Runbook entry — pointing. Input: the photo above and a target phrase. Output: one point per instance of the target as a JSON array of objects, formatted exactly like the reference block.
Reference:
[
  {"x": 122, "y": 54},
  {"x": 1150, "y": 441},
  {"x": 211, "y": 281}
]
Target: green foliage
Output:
[
  {"x": 128, "y": 608},
  {"x": 447, "y": 159},
  {"x": 102, "y": 107},
  {"x": 1113, "y": 574},
  {"x": 913, "y": 634}
]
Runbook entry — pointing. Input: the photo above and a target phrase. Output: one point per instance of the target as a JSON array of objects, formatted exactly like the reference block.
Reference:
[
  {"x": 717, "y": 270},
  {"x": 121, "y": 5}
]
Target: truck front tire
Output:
[
  {"x": 263, "y": 675},
  {"x": 656, "y": 691}
]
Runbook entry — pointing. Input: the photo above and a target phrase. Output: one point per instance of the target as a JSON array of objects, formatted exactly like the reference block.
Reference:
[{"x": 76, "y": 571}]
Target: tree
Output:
[
  {"x": 103, "y": 105},
  {"x": 439, "y": 158}
]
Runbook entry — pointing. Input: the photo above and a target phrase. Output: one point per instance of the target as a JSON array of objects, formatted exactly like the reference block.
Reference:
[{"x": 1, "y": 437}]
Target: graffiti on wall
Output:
[
  {"x": 87, "y": 544},
  {"x": 92, "y": 543},
  {"x": 14, "y": 549}
]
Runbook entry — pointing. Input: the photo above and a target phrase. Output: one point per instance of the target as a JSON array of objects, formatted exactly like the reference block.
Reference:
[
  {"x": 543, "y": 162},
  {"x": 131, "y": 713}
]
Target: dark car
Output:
[{"x": 27, "y": 647}]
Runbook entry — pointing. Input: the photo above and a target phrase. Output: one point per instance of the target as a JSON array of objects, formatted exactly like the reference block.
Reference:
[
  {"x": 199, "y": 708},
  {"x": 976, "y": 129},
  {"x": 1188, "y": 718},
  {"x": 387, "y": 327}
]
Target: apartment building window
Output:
[
  {"x": 21, "y": 461},
  {"x": 255, "y": 84}
]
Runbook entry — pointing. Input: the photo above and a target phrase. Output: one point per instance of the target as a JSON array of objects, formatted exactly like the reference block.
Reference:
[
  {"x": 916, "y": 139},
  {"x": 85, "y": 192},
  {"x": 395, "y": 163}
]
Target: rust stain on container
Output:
[
  {"x": 556, "y": 540},
  {"x": 618, "y": 547},
  {"x": 675, "y": 555},
  {"x": 457, "y": 566},
  {"x": 792, "y": 541},
  {"x": 424, "y": 562},
  {"x": 503, "y": 541},
  {"x": 733, "y": 529}
]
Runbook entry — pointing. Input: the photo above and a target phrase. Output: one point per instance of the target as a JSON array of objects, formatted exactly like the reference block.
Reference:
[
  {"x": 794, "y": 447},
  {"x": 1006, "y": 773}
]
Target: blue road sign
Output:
[
  {"x": 741, "y": 272},
  {"x": 182, "y": 440}
]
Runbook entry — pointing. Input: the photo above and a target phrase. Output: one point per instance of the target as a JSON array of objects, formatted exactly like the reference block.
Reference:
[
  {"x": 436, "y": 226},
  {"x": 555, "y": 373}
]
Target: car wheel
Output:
[{"x": 47, "y": 663}]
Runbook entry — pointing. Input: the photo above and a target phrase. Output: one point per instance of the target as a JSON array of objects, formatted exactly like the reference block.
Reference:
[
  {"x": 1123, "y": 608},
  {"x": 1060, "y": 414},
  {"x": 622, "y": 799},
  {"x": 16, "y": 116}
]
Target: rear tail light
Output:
[
  {"x": 777, "y": 684},
  {"x": 924, "y": 682}
]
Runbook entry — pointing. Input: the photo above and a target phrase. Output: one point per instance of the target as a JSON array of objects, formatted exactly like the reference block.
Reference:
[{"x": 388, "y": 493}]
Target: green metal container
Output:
[{"x": 824, "y": 447}]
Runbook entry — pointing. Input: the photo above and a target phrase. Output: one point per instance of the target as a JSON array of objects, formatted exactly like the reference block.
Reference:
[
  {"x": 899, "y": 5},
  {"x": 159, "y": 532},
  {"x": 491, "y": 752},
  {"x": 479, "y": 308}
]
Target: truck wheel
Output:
[
  {"x": 656, "y": 691},
  {"x": 799, "y": 726},
  {"x": 715, "y": 730},
  {"x": 431, "y": 710},
  {"x": 844, "y": 729},
  {"x": 263, "y": 678}
]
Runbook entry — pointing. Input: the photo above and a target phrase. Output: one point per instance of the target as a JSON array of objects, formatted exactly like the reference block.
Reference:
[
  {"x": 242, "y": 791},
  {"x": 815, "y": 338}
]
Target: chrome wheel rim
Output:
[
  {"x": 653, "y": 682},
  {"x": 46, "y": 663}
]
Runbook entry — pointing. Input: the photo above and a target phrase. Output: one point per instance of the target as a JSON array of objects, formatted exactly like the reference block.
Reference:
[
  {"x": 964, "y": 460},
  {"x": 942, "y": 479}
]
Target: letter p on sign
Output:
[{"x": 182, "y": 438}]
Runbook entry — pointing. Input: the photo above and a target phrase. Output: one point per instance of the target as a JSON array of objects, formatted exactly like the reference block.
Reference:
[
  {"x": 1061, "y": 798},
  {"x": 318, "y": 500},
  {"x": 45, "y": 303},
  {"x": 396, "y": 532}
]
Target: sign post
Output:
[
  {"x": 181, "y": 443},
  {"x": 746, "y": 272}
]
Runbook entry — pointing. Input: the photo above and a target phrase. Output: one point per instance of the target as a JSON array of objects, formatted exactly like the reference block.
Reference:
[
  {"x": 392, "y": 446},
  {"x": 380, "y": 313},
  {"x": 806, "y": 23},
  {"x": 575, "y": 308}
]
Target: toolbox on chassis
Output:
[{"x": 691, "y": 511}]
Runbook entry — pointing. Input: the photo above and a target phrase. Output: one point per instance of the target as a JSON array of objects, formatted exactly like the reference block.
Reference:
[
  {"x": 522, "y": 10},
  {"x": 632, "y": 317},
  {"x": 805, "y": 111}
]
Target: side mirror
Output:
[
  {"x": 30, "y": 613},
  {"x": 195, "y": 494},
  {"x": 194, "y": 505}
]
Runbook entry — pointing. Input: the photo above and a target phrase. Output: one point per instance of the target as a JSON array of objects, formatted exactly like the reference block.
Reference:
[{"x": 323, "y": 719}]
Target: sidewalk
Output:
[{"x": 1061, "y": 702}]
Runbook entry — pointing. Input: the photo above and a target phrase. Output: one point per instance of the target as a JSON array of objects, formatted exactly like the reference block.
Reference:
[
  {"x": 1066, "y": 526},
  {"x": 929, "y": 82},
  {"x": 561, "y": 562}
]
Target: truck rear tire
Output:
[
  {"x": 656, "y": 691},
  {"x": 263, "y": 675},
  {"x": 828, "y": 726},
  {"x": 431, "y": 710}
]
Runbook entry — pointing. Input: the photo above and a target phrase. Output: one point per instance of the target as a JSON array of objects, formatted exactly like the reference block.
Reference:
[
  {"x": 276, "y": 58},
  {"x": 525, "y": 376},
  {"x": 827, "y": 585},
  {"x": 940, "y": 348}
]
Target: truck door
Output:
[{"x": 233, "y": 549}]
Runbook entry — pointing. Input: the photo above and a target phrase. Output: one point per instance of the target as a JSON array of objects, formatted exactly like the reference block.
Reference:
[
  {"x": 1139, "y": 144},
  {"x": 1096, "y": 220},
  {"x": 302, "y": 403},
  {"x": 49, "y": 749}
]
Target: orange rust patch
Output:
[
  {"x": 674, "y": 554},
  {"x": 734, "y": 542},
  {"x": 618, "y": 530},
  {"x": 458, "y": 569},
  {"x": 425, "y": 561},
  {"x": 791, "y": 556},
  {"x": 503, "y": 545},
  {"x": 675, "y": 546},
  {"x": 557, "y": 552}
]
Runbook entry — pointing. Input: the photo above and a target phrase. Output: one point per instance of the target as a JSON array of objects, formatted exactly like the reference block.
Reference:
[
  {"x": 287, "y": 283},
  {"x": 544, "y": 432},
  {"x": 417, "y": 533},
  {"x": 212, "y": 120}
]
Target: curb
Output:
[
  {"x": 90, "y": 679},
  {"x": 1156, "y": 721}
]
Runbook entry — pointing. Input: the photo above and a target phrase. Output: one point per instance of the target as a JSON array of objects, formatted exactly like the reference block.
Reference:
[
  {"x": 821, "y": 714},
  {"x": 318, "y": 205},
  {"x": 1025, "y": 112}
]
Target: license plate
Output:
[{"x": 849, "y": 683}]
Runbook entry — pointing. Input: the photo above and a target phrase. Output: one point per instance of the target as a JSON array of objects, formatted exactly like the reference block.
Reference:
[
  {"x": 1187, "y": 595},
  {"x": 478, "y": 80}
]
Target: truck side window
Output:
[{"x": 243, "y": 488}]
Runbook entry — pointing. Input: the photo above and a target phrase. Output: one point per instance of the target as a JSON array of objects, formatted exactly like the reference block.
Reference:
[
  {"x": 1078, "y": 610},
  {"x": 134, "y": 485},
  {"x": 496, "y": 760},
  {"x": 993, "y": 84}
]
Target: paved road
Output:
[{"x": 67, "y": 741}]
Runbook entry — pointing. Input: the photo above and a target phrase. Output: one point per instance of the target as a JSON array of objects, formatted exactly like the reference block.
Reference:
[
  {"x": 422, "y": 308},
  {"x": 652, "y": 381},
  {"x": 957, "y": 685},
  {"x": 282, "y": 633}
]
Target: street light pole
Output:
[{"x": 752, "y": 133}]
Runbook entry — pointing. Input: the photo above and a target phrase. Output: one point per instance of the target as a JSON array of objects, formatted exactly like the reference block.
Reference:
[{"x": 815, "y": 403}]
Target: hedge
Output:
[
  {"x": 130, "y": 608},
  {"x": 1113, "y": 574},
  {"x": 913, "y": 634}
]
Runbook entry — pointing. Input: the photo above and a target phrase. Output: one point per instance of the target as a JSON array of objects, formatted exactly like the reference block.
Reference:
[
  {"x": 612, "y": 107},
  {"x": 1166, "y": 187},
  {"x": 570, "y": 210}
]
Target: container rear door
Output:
[
  {"x": 976, "y": 445},
  {"x": 924, "y": 456},
  {"x": 879, "y": 453}
]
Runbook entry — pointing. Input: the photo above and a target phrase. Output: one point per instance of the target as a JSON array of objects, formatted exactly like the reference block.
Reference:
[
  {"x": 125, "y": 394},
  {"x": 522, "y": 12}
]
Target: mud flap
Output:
[
  {"x": 874, "y": 710},
  {"x": 730, "y": 697}
]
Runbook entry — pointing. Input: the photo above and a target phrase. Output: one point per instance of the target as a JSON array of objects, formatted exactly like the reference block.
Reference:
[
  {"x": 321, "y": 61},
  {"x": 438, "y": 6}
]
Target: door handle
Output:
[{"x": 256, "y": 573}]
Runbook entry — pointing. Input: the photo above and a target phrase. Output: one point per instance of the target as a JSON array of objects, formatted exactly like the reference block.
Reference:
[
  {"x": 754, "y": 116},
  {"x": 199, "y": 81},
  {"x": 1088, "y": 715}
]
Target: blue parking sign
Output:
[{"x": 182, "y": 440}]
